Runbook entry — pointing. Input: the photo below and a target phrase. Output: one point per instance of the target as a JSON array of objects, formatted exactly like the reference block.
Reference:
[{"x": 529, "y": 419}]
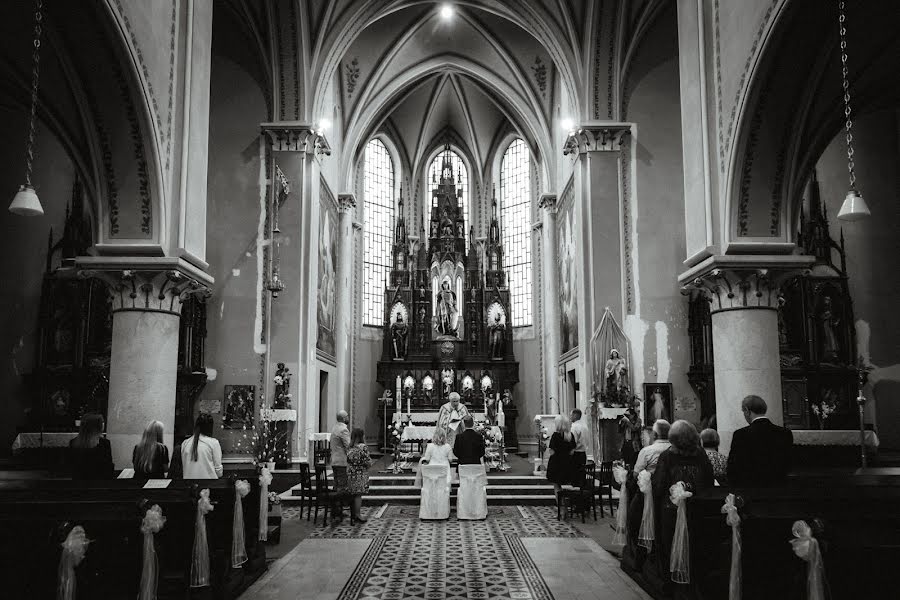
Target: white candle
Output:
[
  {"x": 399, "y": 397},
  {"x": 409, "y": 403},
  {"x": 501, "y": 417}
]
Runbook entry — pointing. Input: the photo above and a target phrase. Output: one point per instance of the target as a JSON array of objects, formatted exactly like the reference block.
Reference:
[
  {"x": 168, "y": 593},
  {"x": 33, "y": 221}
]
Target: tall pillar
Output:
[
  {"x": 146, "y": 296},
  {"x": 550, "y": 302},
  {"x": 598, "y": 216},
  {"x": 743, "y": 296},
  {"x": 298, "y": 149},
  {"x": 344, "y": 300}
]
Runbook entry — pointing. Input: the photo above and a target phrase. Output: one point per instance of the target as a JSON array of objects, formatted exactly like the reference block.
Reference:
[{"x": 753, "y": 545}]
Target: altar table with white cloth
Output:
[
  {"x": 424, "y": 433},
  {"x": 27, "y": 440}
]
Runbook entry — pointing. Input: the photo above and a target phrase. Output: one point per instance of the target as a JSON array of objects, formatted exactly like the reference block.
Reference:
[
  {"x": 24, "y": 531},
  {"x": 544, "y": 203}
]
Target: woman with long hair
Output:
[
  {"x": 90, "y": 454},
  {"x": 561, "y": 465},
  {"x": 438, "y": 451},
  {"x": 358, "y": 463},
  {"x": 150, "y": 458},
  {"x": 201, "y": 454}
]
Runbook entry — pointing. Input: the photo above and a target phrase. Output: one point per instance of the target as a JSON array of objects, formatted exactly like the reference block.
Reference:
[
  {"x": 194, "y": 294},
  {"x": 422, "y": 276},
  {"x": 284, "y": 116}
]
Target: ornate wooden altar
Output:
[
  {"x": 816, "y": 335},
  {"x": 447, "y": 320}
]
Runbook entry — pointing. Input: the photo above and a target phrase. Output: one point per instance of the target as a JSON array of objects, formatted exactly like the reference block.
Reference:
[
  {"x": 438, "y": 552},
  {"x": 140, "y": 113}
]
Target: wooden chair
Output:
[
  {"x": 604, "y": 476},
  {"x": 579, "y": 499},
  {"x": 326, "y": 497},
  {"x": 321, "y": 453},
  {"x": 307, "y": 491}
]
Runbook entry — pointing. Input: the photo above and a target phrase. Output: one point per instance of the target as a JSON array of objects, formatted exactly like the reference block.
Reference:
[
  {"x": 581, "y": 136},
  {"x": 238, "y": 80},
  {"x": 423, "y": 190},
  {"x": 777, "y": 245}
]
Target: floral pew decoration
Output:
[
  {"x": 74, "y": 549},
  {"x": 806, "y": 547},
  {"x": 646, "y": 534},
  {"x": 151, "y": 524},
  {"x": 680, "y": 558},
  {"x": 265, "y": 478},
  {"x": 733, "y": 519},
  {"x": 200, "y": 553},
  {"x": 238, "y": 538},
  {"x": 620, "y": 474}
]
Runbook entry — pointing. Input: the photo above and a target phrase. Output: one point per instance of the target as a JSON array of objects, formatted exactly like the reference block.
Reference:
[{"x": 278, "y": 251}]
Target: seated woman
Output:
[
  {"x": 90, "y": 455},
  {"x": 684, "y": 461},
  {"x": 561, "y": 465},
  {"x": 150, "y": 458},
  {"x": 201, "y": 454},
  {"x": 709, "y": 439}
]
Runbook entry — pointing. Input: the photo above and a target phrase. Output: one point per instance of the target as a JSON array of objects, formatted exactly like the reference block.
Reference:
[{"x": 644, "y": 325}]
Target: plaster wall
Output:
[{"x": 365, "y": 387}]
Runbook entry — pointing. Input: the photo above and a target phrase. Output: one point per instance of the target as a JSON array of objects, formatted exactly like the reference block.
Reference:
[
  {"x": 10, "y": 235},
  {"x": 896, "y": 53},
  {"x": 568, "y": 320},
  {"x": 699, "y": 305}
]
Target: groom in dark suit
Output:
[
  {"x": 469, "y": 445},
  {"x": 761, "y": 452}
]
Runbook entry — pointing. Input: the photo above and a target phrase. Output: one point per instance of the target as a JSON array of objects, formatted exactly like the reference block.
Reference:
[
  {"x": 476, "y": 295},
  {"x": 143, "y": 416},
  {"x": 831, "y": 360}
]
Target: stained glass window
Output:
[
  {"x": 515, "y": 226},
  {"x": 459, "y": 172},
  {"x": 378, "y": 207}
]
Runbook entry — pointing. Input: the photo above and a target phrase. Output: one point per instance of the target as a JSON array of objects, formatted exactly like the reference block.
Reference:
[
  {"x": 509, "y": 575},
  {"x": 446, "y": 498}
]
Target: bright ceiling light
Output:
[
  {"x": 568, "y": 125},
  {"x": 447, "y": 12},
  {"x": 323, "y": 125}
]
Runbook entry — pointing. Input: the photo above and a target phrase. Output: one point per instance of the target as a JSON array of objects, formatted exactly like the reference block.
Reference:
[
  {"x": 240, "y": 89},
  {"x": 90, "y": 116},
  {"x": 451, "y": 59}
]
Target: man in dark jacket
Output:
[
  {"x": 469, "y": 445},
  {"x": 761, "y": 452}
]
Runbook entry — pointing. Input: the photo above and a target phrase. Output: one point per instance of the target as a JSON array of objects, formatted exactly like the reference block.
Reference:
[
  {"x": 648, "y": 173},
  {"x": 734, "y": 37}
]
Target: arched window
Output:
[
  {"x": 461, "y": 174},
  {"x": 378, "y": 207},
  {"x": 515, "y": 226}
]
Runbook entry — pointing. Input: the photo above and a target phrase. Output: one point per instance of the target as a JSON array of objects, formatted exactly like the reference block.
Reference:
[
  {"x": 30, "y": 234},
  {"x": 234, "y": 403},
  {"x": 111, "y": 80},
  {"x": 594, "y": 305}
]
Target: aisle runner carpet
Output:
[{"x": 411, "y": 559}]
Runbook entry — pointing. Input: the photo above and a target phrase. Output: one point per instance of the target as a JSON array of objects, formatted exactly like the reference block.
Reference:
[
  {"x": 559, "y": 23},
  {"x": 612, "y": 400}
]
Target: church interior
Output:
[{"x": 240, "y": 231}]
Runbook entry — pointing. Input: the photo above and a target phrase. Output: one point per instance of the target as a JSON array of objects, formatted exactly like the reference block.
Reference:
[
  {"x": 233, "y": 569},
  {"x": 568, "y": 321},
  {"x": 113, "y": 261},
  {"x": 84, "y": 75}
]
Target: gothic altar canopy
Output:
[{"x": 447, "y": 321}]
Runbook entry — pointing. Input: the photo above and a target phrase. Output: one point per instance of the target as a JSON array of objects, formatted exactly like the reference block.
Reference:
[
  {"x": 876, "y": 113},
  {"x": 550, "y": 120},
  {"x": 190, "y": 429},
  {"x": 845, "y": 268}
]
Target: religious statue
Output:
[
  {"x": 828, "y": 321},
  {"x": 421, "y": 292},
  {"x": 399, "y": 333},
  {"x": 507, "y": 398},
  {"x": 447, "y": 379},
  {"x": 447, "y": 313},
  {"x": 498, "y": 331},
  {"x": 615, "y": 372},
  {"x": 446, "y": 225},
  {"x": 450, "y": 417},
  {"x": 782, "y": 327}
]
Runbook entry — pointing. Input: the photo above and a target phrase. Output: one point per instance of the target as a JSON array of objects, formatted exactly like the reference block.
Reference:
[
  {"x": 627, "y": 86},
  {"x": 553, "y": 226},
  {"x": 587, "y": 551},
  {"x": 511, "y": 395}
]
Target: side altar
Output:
[{"x": 447, "y": 321}]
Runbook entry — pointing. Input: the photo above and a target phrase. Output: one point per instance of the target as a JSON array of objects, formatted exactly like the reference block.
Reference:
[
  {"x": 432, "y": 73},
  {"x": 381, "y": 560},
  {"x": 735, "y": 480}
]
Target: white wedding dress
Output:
[
  {"x": 439, "y": 455},
  {"x": 435, "y": 478}
]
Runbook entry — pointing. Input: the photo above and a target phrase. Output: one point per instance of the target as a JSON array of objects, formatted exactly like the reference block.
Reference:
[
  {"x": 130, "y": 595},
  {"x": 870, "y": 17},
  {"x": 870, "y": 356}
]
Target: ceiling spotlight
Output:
[
  {"x": 323, "y": 125},
  {"x": 568, "y": 125},
  {"x": 446, "y": 12}
]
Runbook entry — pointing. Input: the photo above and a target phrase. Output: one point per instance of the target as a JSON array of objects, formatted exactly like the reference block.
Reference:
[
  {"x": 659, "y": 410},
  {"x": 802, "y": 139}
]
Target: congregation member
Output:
[
  {"x": 630, "y": 427},
  {"x": 709, "y": 439},
  {"x": 201, "y": 454},
  {"x": 469, "y": 445},
  {"x": 90, "y": 454},
  {"x": 150, "y": 458},
  {"x": 358, "y": 463},
  {"x": 648, "y": 455},
  {"x": 340, "y": 444},
  {"x": 582, "y": 436},
  {"x": 760, "y": 453},
  {"x": 450, "y": 417},
  {"x": 560, "y": 465},
  {"x": 438, "y": 451}
]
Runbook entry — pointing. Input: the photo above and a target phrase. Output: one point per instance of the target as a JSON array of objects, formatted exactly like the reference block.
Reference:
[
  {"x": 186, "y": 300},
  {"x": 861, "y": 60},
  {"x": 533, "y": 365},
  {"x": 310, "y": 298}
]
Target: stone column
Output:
[
  {"x": 743, "y": 296},
  {"x": 298, "y": 149},
  {"x": 549, "y": 258},
  {"x": 146, "y": 297},
  {"x": 598, "y": 215},
  {"x": 344, "y": 299}
]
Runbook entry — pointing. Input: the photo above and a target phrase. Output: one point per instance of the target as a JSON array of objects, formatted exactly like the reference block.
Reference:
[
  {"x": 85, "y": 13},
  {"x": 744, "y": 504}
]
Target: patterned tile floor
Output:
[{"x": 409, "y": 559}]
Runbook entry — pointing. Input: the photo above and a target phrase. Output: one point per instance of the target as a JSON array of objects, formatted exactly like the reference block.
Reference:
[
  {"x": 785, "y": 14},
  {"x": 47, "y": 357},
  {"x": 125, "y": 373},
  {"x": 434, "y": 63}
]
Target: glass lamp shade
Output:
[
  {"x": 854, "y": 207},
  {"x": 26, "y": 203}
]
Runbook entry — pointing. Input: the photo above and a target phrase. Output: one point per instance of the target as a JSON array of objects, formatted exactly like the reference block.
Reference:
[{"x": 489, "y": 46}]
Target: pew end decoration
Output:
[
  {"x": 238, "y": 539},
  {"x": 620, "y": 473},
  {"x": 680, "y": 558},
  {"x": 731, "y": 509},
  {"x": 646, "y": 534},
  {"x": 74, "y": 549},
  {"x": 807, "y": 548},
  {"x": 200, "y": 554},
  {"x": 265, "y": 478},
  {"x": 151, "y": 524}
]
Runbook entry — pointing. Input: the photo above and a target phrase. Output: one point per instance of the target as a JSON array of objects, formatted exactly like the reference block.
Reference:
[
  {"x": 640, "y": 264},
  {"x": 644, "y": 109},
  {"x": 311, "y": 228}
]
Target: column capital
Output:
[
  {"x": 294, "y": 136},
  {"x": 744, "y": 282},
  {"x": 597, "y": 136},
  {"x": 548, "y": 202},
  {"x": 346, "y": 203},
  {"x": 144, "y": 283},
  {"x": 357, "y": 226}
]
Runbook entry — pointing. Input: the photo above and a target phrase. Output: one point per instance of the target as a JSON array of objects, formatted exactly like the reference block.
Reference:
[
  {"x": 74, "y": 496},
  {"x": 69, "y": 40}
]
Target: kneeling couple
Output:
[{"x": 468, "y": 448}]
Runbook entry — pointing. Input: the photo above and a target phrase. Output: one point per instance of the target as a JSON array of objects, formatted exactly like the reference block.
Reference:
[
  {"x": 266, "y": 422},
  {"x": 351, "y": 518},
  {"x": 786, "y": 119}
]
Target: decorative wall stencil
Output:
[
  {"x": 610, "y": 59},
  {"x": 109, "y": 173},
  {"x": 240, "y": 402},
  {"x": 140, "y": 59},
  {"x": 567, "y": 283},
  {"x": 171, "y": 91},
  {"x": 597, "y": 55},
  {"x": 747, "y": 167},
  {"x": 351, "y": 71},
  {"x": 325, "y": 306},
  {"x": 626, "y": 225},
  {"x": 295, "y": 56},
  {"x": 540, "y": 74}
]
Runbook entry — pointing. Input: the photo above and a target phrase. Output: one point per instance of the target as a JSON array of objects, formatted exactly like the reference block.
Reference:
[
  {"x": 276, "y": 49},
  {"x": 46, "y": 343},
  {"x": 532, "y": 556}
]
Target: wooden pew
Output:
[
  {"x": 857, "y": 522},
  {"x": 36, "y": 516}
]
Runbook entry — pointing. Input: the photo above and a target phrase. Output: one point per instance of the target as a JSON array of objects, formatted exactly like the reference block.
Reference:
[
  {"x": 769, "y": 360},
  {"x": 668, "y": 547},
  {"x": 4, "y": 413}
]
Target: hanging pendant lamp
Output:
[
  {"x": 854, "y": 207},
  {"x": 26, "y": 201}
]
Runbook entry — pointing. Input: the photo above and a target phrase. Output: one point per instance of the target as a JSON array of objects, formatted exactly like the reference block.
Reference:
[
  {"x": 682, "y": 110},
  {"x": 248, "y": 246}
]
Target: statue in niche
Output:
[
  {"x": 615, "y": 371},
  {"x": 782, "y": 326},
  {"x": 829, "y": 322},
  {"x": 399, "y": 333},
  {"x": 421, "y": 292},
  {"x": 498, "y": 332},
  {"x": 460, "y": 230},
  {"x": 448, "y": 316},
  {"x": 446, "y": 225},
  {"x": 434, "y": 229}
]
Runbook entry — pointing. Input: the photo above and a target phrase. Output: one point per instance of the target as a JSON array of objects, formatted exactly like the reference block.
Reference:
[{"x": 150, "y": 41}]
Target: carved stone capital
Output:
[
  {"x": 597, "y": 137},
  {"x": 743, "y": 282},
  {"x": 548, "y": 202},
  {"x": 151, "y": 285},
  {"x": 293, "y": 136},
  {"x": 346, "y": 203}
]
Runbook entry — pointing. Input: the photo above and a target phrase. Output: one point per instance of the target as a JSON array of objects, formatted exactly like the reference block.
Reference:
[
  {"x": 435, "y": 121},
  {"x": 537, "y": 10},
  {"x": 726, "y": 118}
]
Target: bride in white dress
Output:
[{"x": 438, "y": 451}]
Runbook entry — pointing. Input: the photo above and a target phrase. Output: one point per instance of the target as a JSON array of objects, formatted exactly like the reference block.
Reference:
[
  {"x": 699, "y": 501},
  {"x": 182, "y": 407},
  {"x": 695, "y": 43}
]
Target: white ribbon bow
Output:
[
  {"x": 646, "y": 534},
  {"x": 806, "y": 547},
  {"x": 680, "y": 558},
  {"x": 73, "y": 551},
  {"x": 733, "y": 519},
  {"x": 265, "y": 478},
  {"x": 621, "y": 476},
  {"x": 152, "y": 522},
  {"x": 238, "y": 540},
  {"x": 200, "y": 554}
]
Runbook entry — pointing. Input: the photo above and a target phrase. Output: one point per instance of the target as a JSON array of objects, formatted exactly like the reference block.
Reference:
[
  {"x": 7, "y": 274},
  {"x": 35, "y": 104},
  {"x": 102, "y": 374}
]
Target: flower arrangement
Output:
[
  {"x": 825, "y": 408},
  {"x": 262, "y": 442},
  {"x": 395, "y": 435},
  {"x": 543, "y": 435},
  {"x": 274, "y": 498},
  {"x": 282, "y": 381}
]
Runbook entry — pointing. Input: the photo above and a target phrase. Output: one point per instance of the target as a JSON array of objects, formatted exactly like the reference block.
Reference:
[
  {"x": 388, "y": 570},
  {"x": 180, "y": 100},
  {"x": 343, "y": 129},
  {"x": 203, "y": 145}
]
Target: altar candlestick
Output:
[
  {"x": 501, "y": 417},
  {"x": 409, "y": 402},
  {"x": 399, "y": 399}
]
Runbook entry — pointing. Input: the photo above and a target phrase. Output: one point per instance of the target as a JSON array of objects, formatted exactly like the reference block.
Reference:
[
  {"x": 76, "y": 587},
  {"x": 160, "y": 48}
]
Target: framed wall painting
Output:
[{"x": 657, "y": 403}]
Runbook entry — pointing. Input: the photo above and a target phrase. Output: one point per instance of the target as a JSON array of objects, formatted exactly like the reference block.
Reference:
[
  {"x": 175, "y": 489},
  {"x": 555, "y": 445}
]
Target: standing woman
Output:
[
  {"x": 630, "y": 427},
  {"x": 90, "y": 455},
  {"x": 358, "y": 463},
  {"x": 560, "y": 466},
  {"x": 201, "y": 454},
  {"x": 150, "y": 458}
]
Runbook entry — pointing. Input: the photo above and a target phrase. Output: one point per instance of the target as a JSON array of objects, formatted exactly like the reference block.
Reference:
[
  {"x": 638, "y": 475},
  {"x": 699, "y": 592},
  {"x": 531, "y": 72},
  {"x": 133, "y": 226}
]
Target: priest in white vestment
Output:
[{"x": 450, "y": 417}]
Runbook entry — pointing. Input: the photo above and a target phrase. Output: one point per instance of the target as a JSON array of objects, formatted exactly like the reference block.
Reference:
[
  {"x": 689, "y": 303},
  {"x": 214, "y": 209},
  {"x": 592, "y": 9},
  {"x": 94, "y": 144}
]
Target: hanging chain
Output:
[
  {"x": 35, "y": 72},
  {"x": 848, "y": 125}
]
